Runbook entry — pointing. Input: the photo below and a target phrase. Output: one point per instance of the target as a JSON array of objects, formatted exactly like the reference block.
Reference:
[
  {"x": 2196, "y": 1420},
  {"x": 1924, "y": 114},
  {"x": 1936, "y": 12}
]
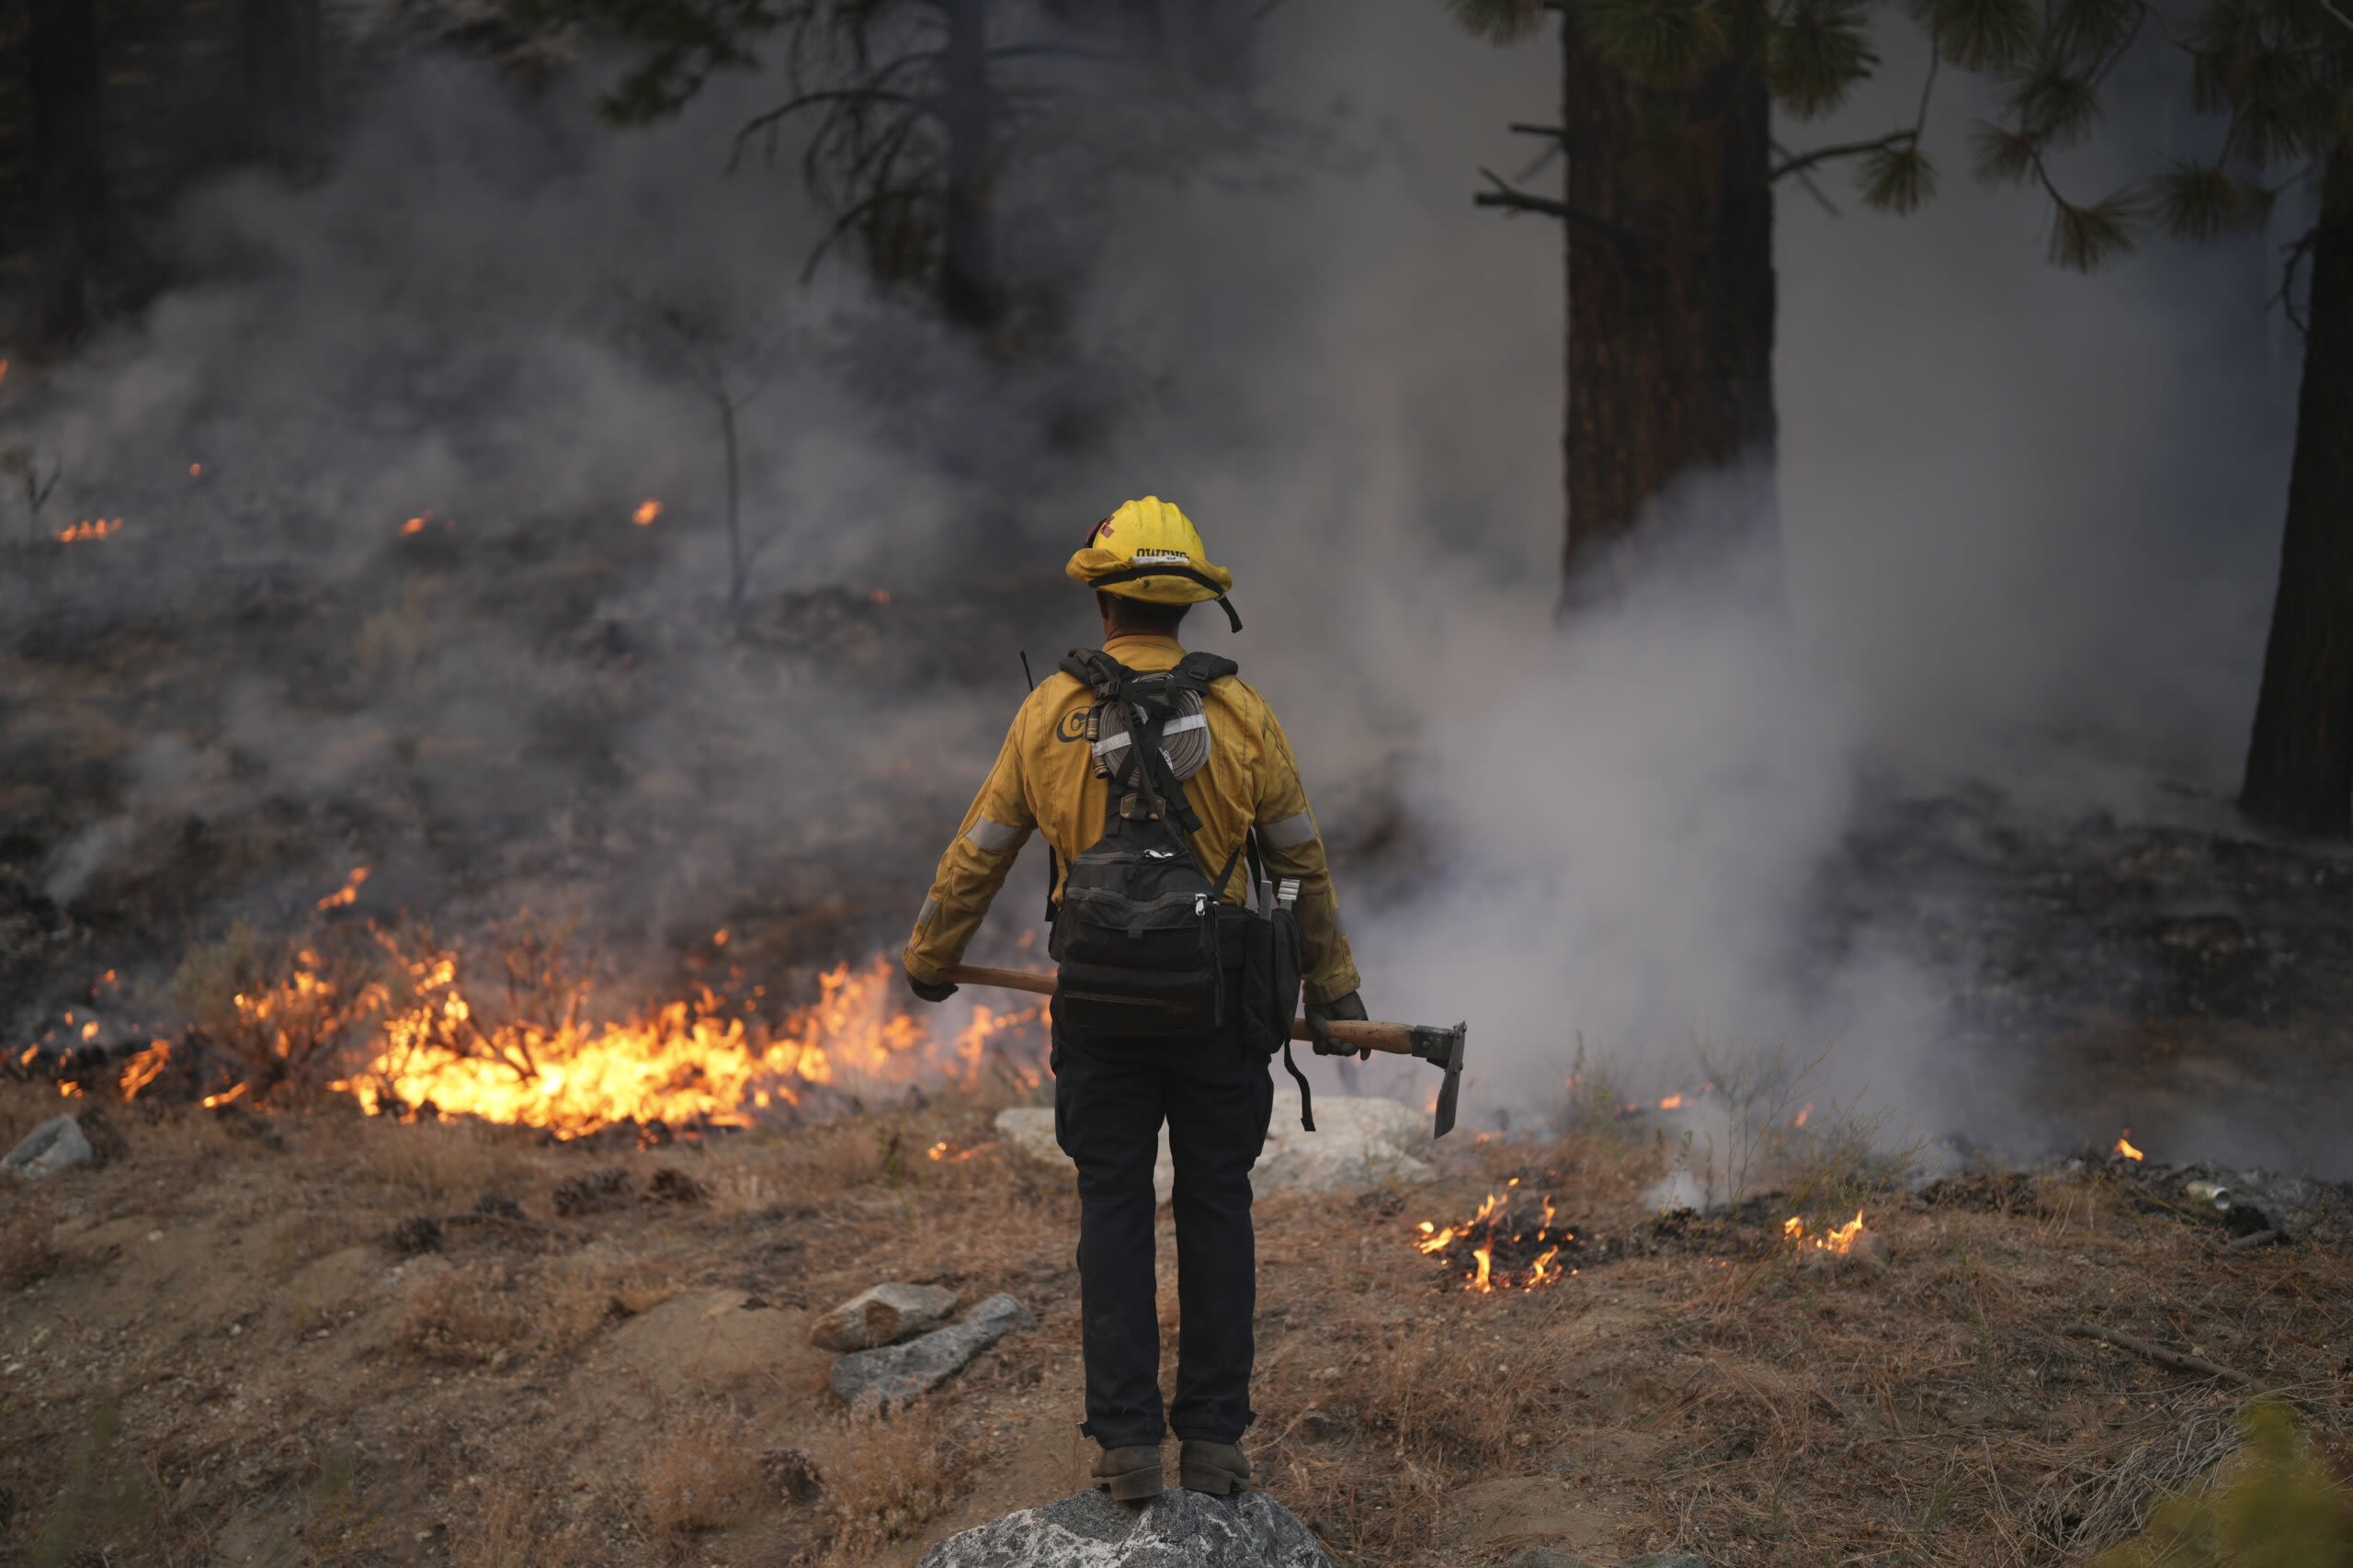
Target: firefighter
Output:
[{"x": 1112, "y": 1094}]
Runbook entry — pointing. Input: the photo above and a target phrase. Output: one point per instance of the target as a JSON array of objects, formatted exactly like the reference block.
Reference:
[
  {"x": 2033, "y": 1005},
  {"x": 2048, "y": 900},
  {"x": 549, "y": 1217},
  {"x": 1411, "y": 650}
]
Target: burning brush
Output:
[{"x": 1507, "y": 1244}]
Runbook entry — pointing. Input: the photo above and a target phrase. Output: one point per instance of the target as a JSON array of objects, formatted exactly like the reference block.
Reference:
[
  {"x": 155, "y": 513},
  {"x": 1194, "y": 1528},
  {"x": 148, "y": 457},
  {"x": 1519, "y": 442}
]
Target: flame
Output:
[
  {"x": 2124, "y": 1146},
  {"x": 90, "y": 528},
  {"x": 144, "y": 1068},
  {"x": 647, "y": 511},
  {"x": 90, "y": 1030},
  {"x": 1838, "y": 1240},
  {"x": 1491, "y": 1229},
  {"x": 1672, "y": 1102},
  {"x": 416, "y": 526},
  {"x": 697, "y": 1062},
  {"x": 1802, "y": 1115},
  {"x": 194, "y": 471},
  {"x": 347, "y": 895},
  {"x": 224, "y": 1097}
]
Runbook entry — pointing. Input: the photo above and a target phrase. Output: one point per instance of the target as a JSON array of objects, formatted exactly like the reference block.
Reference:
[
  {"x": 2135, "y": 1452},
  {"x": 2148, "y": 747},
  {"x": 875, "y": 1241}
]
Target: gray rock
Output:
[
  {"x": 1177, "y": 1530},
  {"x": 1547, "y": 1557},
  {"x": 874, "y": 1379},
  {"x": 883, "y": 1315},
  {"x": 55, "y": 1145},
  {"x": 1360, "y": 1141}
]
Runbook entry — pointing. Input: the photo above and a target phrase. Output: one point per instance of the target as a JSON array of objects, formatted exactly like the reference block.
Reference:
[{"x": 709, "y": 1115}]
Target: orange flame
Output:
[
  {"x": 647, "y": 511},
  {"x": 1839, "y": 1241},
  {"x": 2124, "y": 1146},
  {"x": 1672, "y": 1102},
  {"x": 1802, "y": 1115},
  {"x": 144, "y": 1068},
  {"x": 416, "y": 526},
  {"x": 90, "y": 528},
  {"x": 694, "y": 1062},
  {"x": 224, "y": 1097},
  {"x": 347, "y": 895}
]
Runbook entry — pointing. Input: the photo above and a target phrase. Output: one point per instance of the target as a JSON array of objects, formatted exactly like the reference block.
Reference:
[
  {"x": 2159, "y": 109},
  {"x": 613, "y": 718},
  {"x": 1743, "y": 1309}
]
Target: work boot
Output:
[
  {"x": 1131, "y": 1476},
  {"x": 1217, "y": 1468}
]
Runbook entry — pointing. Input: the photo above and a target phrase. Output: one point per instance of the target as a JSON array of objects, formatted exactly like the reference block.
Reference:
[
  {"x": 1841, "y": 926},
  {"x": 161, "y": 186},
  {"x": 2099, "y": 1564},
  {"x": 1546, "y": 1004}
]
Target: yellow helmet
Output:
[{"x": 1148, "y": 549}]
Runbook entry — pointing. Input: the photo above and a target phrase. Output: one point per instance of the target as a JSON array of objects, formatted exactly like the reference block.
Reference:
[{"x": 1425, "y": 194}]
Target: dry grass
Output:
[
  {"x": 442, "y": 1162},
  {"x": 468, "y": 1314},
  {"x": 885, "y": 1478},
  {"x": 492, "y": 1312},
  {"x": 703, "y": 1472},
  {"x": 519, "y": 1528}
]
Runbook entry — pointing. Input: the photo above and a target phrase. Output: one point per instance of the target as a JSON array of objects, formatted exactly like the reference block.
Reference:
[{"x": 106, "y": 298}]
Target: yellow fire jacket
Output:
[{"x": 1044, "y": 778}]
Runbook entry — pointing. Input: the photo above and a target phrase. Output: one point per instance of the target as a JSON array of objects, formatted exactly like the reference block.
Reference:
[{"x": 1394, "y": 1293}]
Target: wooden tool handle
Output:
[{"x": 1369, "y": 1034}]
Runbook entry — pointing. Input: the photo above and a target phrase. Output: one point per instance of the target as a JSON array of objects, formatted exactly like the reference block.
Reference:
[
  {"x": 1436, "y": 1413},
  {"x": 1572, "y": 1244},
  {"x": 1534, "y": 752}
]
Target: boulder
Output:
[
  {"x": 1360, "y": 1141},
  {"x": 883, "y": 1315},
  {"x": 1177, "y": 1530},
  {"x": 876, "y": 1379},
  {"x": 55, "y": 1145}
]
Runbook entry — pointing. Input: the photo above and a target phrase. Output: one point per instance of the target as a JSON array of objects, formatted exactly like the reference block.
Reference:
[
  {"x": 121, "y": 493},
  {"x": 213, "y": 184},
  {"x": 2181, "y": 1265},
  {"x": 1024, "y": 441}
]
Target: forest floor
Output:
[{"x": 225, "y": 1346}]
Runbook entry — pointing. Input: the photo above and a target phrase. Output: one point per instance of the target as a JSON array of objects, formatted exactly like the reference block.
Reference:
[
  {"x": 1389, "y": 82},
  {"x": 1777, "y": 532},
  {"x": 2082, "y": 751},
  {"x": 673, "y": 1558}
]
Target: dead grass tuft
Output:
[
  {"x": 589, "y": 1289},
  {"x": 472, "y": 1314},
  {"x": 442, "y": 1162},
  {"x": 519, "y": 1528},
  {"x": 705, "y": 1470},
  {"x": 885, "y": 1478}
]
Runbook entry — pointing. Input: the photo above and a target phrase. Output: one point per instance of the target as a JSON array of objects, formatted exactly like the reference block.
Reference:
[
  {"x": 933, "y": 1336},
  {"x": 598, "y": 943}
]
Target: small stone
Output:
[
  {"x": 879, "y": 1378},
  {"x": 883, "y": 1315},
  {"x": 1177, "y": 1530},
  {"x": 1547, "y": 1557},
  {"x": 55, "y": 1145}
]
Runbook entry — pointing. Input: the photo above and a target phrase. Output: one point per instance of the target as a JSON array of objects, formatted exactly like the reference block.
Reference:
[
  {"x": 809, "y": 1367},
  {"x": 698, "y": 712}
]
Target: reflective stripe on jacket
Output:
[{"x": 1044, "y": 778}]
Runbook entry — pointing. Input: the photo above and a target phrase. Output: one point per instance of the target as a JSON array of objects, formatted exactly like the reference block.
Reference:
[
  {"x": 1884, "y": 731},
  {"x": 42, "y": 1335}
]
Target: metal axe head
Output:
[{"x": 1442, "y": 1049}]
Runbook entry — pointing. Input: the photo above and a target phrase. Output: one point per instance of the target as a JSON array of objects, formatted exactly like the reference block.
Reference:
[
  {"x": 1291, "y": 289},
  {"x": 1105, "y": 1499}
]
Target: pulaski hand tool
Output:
[{"x": 1441, "y": 1048}]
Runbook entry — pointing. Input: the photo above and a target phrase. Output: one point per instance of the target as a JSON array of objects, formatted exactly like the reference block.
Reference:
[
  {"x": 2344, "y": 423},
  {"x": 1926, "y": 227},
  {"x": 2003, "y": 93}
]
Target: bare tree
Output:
[{"x": 729, "y": 364}]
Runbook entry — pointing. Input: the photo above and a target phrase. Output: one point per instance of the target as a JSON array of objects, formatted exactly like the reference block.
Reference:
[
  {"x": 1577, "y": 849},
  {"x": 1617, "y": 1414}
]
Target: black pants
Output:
[{"x": 1110, "y": 1097}]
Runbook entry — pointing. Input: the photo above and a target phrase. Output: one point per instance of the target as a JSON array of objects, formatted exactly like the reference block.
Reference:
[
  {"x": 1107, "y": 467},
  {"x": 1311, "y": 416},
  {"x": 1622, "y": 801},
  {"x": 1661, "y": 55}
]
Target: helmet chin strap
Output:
[{"x": 1138, "y": 573}]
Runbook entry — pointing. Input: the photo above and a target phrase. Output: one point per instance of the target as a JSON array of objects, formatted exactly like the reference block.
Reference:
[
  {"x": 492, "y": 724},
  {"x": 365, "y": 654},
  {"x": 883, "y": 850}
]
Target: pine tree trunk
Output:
[
  {"x": 69, "y": 165},
  {"x": 967, "y": 280},
  {"x": 2300, "y": 761},
  {"x": 1670, "y": 296},
  {"x": 284, "y": 112}
]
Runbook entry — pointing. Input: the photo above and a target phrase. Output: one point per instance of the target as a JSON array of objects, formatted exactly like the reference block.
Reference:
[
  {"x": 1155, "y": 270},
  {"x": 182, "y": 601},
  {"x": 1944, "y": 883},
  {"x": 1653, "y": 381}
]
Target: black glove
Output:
[
  {"x": 1319, "y": 1014},
  {"x": 929, "y": 992}
]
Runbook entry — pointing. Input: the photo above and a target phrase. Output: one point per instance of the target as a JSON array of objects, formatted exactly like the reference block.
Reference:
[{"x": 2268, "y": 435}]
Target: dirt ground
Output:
[{"x": 237, "y": 1342}]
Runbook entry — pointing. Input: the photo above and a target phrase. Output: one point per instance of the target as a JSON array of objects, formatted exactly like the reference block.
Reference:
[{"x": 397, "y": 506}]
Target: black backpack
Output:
[
  {"x": 1145, "y": 943},
  {"x": 1137, "y": 932}
]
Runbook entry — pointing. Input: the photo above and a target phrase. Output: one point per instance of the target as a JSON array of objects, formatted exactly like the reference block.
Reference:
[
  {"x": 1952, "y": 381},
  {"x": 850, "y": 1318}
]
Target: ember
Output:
[
  {"x": 647, "y": 511},
  {"x": 89, "y": 529},
  {"x": 416, "y": 526},
  {"x": 1502, "y": 1246}
]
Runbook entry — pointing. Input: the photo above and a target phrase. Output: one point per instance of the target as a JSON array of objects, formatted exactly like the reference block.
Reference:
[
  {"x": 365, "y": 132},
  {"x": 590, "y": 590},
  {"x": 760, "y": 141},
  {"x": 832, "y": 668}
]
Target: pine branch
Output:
[
  {"x": 1512, "y": 198},
  {"x": 772, "y": 118},
  {"x": 1804, "y": 161}
]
